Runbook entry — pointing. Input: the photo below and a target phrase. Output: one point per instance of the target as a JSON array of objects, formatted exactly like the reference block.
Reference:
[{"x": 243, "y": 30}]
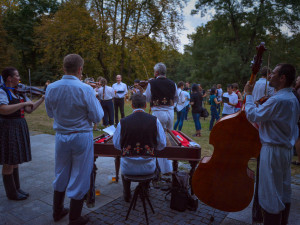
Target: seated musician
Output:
[{"x": 138, "y": 134}]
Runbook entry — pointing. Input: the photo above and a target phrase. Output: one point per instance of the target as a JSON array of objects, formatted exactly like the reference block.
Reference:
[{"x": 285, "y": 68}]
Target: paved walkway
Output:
[{"x": 37, "y": 176}]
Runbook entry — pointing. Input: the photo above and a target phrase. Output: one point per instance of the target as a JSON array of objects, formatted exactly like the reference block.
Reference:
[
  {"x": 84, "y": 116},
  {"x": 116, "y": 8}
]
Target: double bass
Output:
[{"x": 224, "y": 181}]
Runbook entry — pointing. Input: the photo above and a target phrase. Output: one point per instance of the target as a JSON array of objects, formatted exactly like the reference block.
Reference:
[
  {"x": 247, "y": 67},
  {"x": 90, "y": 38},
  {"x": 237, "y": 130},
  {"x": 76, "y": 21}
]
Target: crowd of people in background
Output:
[{"x": 192, "y": 97}]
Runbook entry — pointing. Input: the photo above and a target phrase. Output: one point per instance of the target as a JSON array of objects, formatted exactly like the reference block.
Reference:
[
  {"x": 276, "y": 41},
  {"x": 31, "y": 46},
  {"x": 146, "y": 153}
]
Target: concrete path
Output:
[{"x": 37, "y": 176}]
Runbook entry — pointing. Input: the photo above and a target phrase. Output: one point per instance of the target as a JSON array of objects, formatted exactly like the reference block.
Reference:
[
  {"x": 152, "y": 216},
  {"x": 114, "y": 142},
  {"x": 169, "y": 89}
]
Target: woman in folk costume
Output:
[{"x": 14, "y": 134}]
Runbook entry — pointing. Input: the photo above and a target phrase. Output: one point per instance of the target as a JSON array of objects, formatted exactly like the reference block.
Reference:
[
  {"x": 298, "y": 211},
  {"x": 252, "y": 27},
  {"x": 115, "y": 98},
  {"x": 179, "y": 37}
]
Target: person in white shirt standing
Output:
[
  {"x": 180, "y": 106},
  {"x": 120, "y": 91},
  {"x": 74, "y": 107},
  {"x": 278, "y": 132},
  {"x": 219, "y": 97},
  {"x": 262, "y": 86},
  {"x": 106, "y": 94},
  {"x": 187, "y": 101},
  {"x": 162, "y": 95},
  {"x": 233, "y": 100}
]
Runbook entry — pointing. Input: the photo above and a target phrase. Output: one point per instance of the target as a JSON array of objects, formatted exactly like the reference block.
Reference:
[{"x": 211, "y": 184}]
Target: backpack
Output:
[
  {"x": 181, "y": 198},
  {"x": 204, "y": 113}
]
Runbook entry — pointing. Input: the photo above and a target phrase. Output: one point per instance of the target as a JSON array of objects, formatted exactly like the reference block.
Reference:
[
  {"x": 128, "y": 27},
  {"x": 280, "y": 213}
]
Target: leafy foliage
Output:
[
  {"x": 222, "y": 50},
  {"x": 129, "y": 37}
]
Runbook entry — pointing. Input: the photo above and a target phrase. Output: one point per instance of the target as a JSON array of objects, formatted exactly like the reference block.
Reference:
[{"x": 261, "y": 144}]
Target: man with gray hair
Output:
[
  {"x": 162, "y": 95},
  {"x": 74, "y": 107}
]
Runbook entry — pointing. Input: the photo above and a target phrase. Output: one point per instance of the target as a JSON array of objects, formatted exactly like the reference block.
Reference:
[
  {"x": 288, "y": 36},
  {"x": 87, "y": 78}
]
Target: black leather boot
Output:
[
  {"x": 285, "y": 214},
  {"x": 17, "y": 182},
  {"x": 272, "y": 219},
  {"x": 126, "y": 189},
  {"x": 75, "y": 217},
  {"x": 10, "y": 188},
  {"x": 58, "y": 206}
]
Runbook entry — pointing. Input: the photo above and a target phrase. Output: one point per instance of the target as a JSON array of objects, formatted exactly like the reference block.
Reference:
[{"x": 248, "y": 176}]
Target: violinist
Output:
[
  {"x": 14, "y": 133},
  {"x": 278, "y": 132},
  {"x": 161, "y": 93},
  {"x": 106, "y": 94},
  {"x": 137, "y": 89},
  {"x": 262, "y": 85}
]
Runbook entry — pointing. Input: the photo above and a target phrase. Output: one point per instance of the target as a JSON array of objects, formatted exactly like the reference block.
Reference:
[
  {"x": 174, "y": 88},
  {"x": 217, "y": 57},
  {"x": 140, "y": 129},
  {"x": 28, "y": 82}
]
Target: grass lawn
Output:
[{"x": 39, "y": 122}]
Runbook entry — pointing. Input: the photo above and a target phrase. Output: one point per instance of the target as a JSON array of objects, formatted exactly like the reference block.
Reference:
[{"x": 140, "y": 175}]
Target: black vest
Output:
[
  {"x": 17, "y": 114},
  {"x": 162, "y": 92},
  {"x": 138, "y": 134}
]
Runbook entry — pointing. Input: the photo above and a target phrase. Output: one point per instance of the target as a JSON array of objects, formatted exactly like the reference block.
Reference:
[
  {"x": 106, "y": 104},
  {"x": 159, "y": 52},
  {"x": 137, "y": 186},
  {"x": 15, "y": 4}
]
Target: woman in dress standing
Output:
[{"x": 14, "y": 133}]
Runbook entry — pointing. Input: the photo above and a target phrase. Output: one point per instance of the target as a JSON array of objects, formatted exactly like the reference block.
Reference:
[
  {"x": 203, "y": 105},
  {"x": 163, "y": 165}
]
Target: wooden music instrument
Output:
[
  {"x": 224, "y": 181},
  {"x": 173, "y": 151}
]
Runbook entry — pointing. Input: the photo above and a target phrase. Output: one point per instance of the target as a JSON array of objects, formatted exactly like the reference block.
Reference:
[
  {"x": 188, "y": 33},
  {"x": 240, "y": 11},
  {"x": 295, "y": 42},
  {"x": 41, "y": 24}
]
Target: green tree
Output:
[
  {"x": 222, "y": 50},
  {"x": 19, "y": 21},
  {"x": 70, "y": 30},
  {"x": 133, "y": 26}
]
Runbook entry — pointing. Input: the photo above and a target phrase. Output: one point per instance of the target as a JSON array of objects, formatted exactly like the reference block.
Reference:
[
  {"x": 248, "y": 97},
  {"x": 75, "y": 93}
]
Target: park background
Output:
[{"x": 129, "y": 37}]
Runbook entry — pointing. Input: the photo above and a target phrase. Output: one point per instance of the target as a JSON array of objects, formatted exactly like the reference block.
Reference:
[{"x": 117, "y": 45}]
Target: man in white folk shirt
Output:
[
  {"x": 162, "y": 95},
  {"x": 278, "y": 132},
  {"x": 233, "y": 100},
  {"x": 142, "y": 139},
  {"x": 74, "y": 107},
  {"x": 120, "y": 92},
  {"x": 259, "y": 91}
]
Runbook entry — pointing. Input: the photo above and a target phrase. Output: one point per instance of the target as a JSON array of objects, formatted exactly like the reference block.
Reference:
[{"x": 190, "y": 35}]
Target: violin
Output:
[
  {"x": 224, "y": 181},
  {"x": 144, "y": 83},
  {"x": 23, "y": 89}
]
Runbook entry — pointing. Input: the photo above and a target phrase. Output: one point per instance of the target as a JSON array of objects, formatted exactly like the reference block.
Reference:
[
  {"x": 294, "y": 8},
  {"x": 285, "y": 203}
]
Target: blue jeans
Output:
[
  {"x": 179, "y": 121},
  {"x": 219, "y": 108},
  {"x": 108, "y": 108},
  {"x": 196, "y": 118},
  {"x": 186, "y": 111},
  {"x": 214, "y": 116}
]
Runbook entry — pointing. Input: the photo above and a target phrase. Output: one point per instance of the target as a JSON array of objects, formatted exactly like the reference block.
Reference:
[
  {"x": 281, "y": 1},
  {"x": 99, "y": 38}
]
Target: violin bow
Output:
[
  {"x": 266, "y": 87},
  {"x": 30, "y": 83}
]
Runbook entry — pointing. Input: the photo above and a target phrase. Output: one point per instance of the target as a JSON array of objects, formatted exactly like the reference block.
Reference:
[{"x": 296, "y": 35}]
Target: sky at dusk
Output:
[{"x": 190, "y": 23}]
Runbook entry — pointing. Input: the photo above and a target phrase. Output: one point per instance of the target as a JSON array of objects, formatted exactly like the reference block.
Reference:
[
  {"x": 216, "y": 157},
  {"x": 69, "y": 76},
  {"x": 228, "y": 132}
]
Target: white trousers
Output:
[
  {"x": 274, "y": 178},
  {"x": 166, "y": 118},
  {"x": 74, "y": 157}
]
